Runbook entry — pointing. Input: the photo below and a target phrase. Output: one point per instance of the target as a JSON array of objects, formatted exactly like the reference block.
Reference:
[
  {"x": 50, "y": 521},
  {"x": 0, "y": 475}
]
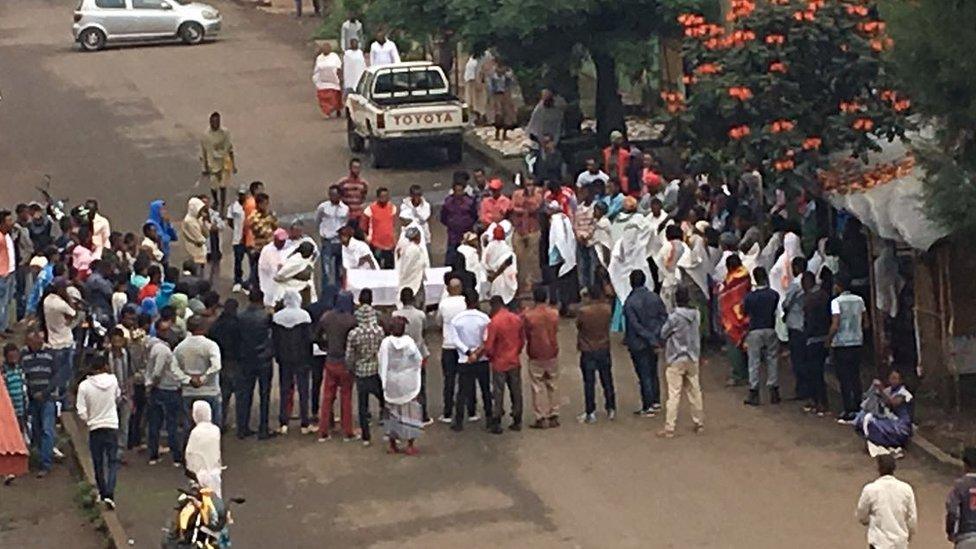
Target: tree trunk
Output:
[
  {"x": 609, "y": 107},
  {"x": 445, "y": 48}
]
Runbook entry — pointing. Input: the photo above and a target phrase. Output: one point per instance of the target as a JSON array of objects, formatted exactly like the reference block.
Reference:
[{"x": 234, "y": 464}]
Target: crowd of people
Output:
[{"x": 140, "y": 347}]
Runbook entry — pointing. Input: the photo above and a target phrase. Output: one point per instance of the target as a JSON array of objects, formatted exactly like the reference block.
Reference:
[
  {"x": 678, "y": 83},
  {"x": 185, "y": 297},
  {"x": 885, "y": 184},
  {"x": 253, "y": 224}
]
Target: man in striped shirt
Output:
[
  {"x": 38, "y": 365},
  {"x": 353, "y": 189}
]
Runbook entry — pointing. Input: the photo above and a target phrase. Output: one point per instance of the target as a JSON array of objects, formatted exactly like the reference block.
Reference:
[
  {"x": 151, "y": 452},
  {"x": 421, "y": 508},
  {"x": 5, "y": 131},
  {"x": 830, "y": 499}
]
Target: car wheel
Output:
[
  {"x": 191, "y": 33},
  {"x": 91, "y": 39},
  {"x": 356, "y": 143},
  {"x": 379, "y": 152},
  {"x": 454, "y": 151}
]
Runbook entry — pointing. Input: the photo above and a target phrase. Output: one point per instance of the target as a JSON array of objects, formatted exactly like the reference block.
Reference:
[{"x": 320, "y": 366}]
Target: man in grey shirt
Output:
[
  {"x": 198, "y": 368},
  {"x": 792, "y": 307},
  {"x": 164, "y": 394},
  {"x": 682, "y": 352}
]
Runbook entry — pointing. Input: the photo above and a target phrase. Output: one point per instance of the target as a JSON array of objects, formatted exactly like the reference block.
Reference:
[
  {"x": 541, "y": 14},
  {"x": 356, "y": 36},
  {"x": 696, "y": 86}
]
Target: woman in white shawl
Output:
[
  {"x": 195, "y": 229},
  {"x": 498, "y": 262},
  {"x": 399, "y": 369},
  {"x": 630, "y": 250},
  {"x": 562, "y": 257},
  {"x": 781, "y": 276},
  {"x": 412, "y": 265},
  {"x": 202, "y": 454},
  {"x": 296, "y": 273}
]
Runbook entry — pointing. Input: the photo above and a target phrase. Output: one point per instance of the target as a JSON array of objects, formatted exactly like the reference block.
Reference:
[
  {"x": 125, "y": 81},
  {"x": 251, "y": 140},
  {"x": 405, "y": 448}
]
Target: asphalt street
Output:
[{"x": 122, "y": 126}]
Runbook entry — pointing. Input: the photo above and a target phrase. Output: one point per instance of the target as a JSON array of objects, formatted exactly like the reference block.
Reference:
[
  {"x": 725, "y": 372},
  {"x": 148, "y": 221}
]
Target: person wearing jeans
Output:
[
  {"x": 8, "y": 267},
  {"x": 97, "y": 397},
  {"x": 447, "y": 309},
  {"x": 198, "y": 369},
  {"x": 362, "y": 348},
  {"x": 760, "y": 306},
  {"x": 645, "y": 313},
  {"x": 38, "y": 365},
  {"x": 846, "y": 337},
  {"x": 331, "y": 216},
  {"x": 165, "y": 407},
  {"x": 593, "y": 343},
  {"x": 468, "y": 330}
]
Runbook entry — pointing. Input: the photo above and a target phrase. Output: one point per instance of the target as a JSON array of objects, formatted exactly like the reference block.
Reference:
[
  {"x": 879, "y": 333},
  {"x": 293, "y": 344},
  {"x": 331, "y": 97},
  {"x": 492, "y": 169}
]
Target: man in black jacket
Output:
[
  {"x": 255, "y": 366},
  {"x": 226, "y": 333},
  {"x": 645, "y": 313}
]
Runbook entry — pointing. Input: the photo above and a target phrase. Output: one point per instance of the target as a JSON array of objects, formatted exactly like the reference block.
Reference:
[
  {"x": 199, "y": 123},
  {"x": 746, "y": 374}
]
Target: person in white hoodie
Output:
[{"x": 98, "y": 395}]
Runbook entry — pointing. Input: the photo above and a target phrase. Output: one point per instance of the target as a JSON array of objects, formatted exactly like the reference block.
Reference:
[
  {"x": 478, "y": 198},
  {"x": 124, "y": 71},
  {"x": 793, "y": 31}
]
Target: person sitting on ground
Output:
[{"x": 885, "y": 419}]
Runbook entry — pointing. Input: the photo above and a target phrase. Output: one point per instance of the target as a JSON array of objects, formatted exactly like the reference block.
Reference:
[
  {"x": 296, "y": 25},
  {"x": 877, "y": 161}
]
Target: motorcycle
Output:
[{"x": 200, "y": 519}]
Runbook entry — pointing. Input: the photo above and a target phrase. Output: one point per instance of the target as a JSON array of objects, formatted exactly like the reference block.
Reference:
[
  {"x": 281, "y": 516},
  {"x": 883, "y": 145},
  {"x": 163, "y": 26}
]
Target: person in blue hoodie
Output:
[{"x": 159, "y": 217}]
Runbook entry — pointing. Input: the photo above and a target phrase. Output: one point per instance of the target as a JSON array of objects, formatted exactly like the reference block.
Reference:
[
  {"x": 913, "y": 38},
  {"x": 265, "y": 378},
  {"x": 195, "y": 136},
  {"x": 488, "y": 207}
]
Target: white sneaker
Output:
[
  {"x": 307, "y": 430},
  {"x": 429, "y": 422},
  {"x": 283, "y": 430},
  {"x": 474, "y": 418},
  {"x": 444, "y": 419},
  {"x": 236, "y": 289},
  {"x": 57, "y": 453},
  {"x": 109, "y": 503}
]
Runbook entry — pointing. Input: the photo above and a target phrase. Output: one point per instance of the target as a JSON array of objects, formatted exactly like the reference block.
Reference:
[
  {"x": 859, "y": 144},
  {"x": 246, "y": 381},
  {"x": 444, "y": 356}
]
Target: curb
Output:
[
  {"x": 117, "y": 536},
  {"x": 505, "y": 167}
]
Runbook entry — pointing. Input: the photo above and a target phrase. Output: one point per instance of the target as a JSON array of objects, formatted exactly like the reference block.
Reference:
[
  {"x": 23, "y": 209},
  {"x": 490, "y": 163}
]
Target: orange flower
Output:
[
  {"x": 740, "y": 8},
  {"x": 888, "y": 95},
  {"x": 879, "y": 44},
  {"x": 807, "y": 15},
  {"x": 741, "y": 93},
  {"x": 738, "y": 132},
  {"x": 858, "y": 11},
  {"x": 863, "y": 124},
  {"x": 782, "y": 125},
  {"x": 708, "y": 68},
  {"x": 674, "y": 101},
  {"x": 690, "y": 19},
  {"x": 812, "y": 143},
  {"x": 777, "y": 66},
  {"x": 871, "y": 27},
  {"x": 689, "y": 79},
  {"x": 784, "y": 164},
  {"x": 775, "y": 39},
  {"x": 850, "y": 107},
  {"x": 902, "y": 105}
]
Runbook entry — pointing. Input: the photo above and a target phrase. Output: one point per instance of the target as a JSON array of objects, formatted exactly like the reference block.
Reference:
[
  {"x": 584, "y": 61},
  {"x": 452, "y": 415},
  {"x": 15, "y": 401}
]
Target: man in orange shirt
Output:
[
  {"x": 541, "y": 324},
  {"x": 503, "y": 345},
  {"x": 494, "y": 207},
  {"x": 379, "y": 222}
]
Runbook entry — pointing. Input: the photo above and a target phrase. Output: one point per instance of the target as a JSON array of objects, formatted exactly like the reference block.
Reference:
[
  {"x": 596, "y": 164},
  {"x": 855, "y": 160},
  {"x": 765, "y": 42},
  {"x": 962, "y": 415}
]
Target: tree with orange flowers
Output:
[{"x": 783, "y": 85}]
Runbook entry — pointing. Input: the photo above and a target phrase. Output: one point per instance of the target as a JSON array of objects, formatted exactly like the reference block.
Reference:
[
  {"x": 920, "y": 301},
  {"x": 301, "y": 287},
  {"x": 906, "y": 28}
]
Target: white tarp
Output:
[
  {"x": 385, "y": 285},
  {"x": 893, "y": 211}
]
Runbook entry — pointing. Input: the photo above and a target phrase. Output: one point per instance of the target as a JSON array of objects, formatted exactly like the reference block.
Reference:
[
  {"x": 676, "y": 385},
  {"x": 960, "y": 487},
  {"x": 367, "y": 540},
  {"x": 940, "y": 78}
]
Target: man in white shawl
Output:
[
  {"x": 202, "y": 452},
  {"x": 355, "y": 253},
  {"x": 667, "y": 260},
  {"x": 468, "y": 252},
  {"x": 411, "y": 266},
  {"x": 630, "y": 251},
  {"x": 400, "y": 363},
  {"x": 781, "y": 276},
  {"x": 353, "y": 66},
  {"x": 297, "y": 273},
  {"x": 562, "y": 257},
  {"x": 269, "y": 261},
  {"x": 416, "y": 211},
  {"x": 501, "y": 272}
]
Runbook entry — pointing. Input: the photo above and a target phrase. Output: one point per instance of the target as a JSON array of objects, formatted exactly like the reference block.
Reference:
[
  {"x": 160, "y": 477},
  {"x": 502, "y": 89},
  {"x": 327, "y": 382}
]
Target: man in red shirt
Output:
[
  {"x": 353, "y": 189},
  {"x": 503, "y": 345},
  {"x": 379, "y": 222},
  {"x": 541, "y": 324},
  {"x": 496, "y": 206}
]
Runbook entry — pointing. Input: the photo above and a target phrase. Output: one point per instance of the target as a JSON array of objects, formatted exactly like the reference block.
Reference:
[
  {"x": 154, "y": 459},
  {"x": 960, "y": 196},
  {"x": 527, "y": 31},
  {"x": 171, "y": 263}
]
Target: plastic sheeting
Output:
[
  {"x": 385, "y": 284},
  {"x": 893, "y": 211}
]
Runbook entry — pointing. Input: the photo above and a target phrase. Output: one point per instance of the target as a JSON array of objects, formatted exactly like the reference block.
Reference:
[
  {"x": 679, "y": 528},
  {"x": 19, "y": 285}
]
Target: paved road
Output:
[{"x": 121, "y": 125}]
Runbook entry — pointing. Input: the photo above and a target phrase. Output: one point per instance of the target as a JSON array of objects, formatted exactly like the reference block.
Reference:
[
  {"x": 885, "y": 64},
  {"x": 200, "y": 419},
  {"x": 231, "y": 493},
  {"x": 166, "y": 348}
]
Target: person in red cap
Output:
[{"x": 495, "y": 207}]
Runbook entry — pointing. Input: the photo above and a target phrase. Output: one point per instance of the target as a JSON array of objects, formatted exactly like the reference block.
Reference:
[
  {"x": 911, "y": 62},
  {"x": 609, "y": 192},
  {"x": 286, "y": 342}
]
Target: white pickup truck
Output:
[{"x": 404, "y": 103}]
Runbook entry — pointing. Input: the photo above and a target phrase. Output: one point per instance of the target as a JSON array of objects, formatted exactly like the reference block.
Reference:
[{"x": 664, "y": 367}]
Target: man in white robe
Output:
[
  {"x": 562, "y": 258},
  {"x": 630, "y": 250},
  {"x": 411, "y": 265},
  {"x": 297, "y": 273},
  {"x": 269, "y": 261},
  {"x": 356, "y": 254},
  {"x": 500, "y": 267}
]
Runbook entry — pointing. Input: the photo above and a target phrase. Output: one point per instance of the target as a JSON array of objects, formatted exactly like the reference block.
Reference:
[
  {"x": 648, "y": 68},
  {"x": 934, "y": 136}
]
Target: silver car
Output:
[{"x": 100, "y": 21}]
